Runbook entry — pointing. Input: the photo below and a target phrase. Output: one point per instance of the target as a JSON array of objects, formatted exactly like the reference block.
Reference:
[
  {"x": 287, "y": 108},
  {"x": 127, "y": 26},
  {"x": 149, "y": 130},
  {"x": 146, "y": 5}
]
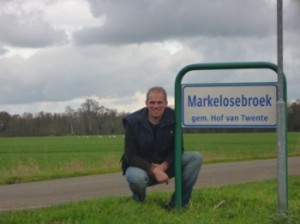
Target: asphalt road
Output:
[{"x": 53, "y": 192}]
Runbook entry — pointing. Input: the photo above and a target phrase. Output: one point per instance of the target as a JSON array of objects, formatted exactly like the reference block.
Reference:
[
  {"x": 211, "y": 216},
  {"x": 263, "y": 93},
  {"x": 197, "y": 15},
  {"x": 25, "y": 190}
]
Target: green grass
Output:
[
  {"x": 226, "y": 147},
  {"x": 39, "y": 158},
  {"x": 238, "y": 204}
]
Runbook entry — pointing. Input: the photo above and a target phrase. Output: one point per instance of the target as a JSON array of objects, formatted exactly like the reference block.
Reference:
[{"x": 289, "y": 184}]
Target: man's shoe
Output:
[{"x": 171, "y": 206}]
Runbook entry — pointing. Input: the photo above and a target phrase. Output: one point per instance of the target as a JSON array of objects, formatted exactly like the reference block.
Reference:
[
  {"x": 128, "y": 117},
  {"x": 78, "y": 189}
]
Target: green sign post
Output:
[{"x": 281, "y": 117}]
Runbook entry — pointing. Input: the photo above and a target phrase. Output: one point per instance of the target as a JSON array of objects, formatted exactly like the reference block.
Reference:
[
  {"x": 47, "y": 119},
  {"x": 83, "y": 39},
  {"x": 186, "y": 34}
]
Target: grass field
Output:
[{"x": 39, "y": 158}]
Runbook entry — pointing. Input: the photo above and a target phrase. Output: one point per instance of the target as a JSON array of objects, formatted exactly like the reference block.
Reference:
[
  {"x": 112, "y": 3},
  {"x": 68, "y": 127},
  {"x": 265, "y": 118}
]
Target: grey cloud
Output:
[
  {"x": 68, "y": 73},
  {"x": 291, "y": 17},
  {"x": 3, "y": 50},
  {"x": 24, "y": 32},
  {"x": 207, "y": 31},
  {"x": 146, "y": 21}
]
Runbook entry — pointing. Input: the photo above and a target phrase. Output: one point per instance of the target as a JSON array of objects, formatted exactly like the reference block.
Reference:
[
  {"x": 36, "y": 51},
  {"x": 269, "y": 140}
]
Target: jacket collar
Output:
[{"x": 167, "y": 118}]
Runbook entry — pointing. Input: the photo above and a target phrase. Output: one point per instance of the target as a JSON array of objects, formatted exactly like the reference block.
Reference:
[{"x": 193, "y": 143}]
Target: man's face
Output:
[{"x": 156, "y": 104}]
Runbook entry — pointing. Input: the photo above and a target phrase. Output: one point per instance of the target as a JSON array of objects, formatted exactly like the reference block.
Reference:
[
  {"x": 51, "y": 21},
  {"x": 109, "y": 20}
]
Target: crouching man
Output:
[{"x": 149, "y": 149}]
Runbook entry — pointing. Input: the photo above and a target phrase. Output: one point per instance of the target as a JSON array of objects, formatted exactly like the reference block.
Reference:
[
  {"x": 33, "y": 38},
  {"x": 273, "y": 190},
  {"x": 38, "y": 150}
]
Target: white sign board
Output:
[{"x": 236, "y": 105}]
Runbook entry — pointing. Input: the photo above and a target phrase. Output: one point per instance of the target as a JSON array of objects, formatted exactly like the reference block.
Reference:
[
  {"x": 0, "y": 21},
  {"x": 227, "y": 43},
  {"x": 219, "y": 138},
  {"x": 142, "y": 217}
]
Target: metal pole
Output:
[
  {"x": 178, "y": 140},
  {"x": 281, "y": 119}
]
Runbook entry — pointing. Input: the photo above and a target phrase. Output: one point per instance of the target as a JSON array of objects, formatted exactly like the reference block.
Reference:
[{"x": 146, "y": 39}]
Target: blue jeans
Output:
[{"x": 138, "y": 179}]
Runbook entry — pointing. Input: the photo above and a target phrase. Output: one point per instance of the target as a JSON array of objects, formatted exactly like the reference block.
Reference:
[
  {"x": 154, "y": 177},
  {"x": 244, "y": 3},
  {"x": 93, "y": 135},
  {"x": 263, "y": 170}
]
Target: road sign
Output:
[
  {"x": 234, "y": 105},
  {"x": 281, "y": 116}
]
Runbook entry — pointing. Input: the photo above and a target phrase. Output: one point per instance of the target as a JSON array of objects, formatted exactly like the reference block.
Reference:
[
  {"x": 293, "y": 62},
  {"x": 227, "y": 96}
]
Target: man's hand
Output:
[
  {"x": 163, "y": 166},
  {"x": 159, "y": 174}
]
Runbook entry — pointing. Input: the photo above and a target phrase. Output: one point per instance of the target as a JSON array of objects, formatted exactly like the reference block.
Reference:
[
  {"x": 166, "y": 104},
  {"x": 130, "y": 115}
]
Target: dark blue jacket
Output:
[{"x": 143, "y": 145}]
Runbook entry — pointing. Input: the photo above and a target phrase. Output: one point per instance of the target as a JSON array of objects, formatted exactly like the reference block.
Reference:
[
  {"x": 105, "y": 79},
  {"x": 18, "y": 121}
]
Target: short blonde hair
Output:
[{"x": 157, "y": 89}]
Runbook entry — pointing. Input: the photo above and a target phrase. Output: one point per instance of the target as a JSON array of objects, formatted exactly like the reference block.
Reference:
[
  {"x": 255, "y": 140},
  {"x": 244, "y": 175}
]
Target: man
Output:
[{"x": 149, "y": 149}]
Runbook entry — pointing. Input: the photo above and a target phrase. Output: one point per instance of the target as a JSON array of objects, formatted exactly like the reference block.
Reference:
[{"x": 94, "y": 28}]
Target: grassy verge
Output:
[
  {"x": 40, "y": 158},
  {"x": 239, "y": 204}
]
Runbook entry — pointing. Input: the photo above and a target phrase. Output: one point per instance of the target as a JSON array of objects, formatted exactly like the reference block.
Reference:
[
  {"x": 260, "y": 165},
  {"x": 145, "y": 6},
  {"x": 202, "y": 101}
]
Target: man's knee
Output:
[
  {"x": 192, "y": 162},
  {"x": 197, "y": 157},
  {"x": 136, "y": 177},
  {"x": 192, "y": 157}
]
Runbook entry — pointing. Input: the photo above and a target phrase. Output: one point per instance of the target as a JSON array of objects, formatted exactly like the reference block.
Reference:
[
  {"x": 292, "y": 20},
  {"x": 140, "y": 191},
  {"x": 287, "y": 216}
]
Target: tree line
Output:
[{"x": 91, "y": 119}]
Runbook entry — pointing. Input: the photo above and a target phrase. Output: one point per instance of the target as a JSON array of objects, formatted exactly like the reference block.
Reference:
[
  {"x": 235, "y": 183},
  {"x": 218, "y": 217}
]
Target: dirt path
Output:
[{"x": 47, "y": 193}]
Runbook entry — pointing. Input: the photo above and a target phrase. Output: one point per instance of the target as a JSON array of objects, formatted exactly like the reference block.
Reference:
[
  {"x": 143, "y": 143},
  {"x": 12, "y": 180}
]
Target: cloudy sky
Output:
[{"x": 58, "y": 53}]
